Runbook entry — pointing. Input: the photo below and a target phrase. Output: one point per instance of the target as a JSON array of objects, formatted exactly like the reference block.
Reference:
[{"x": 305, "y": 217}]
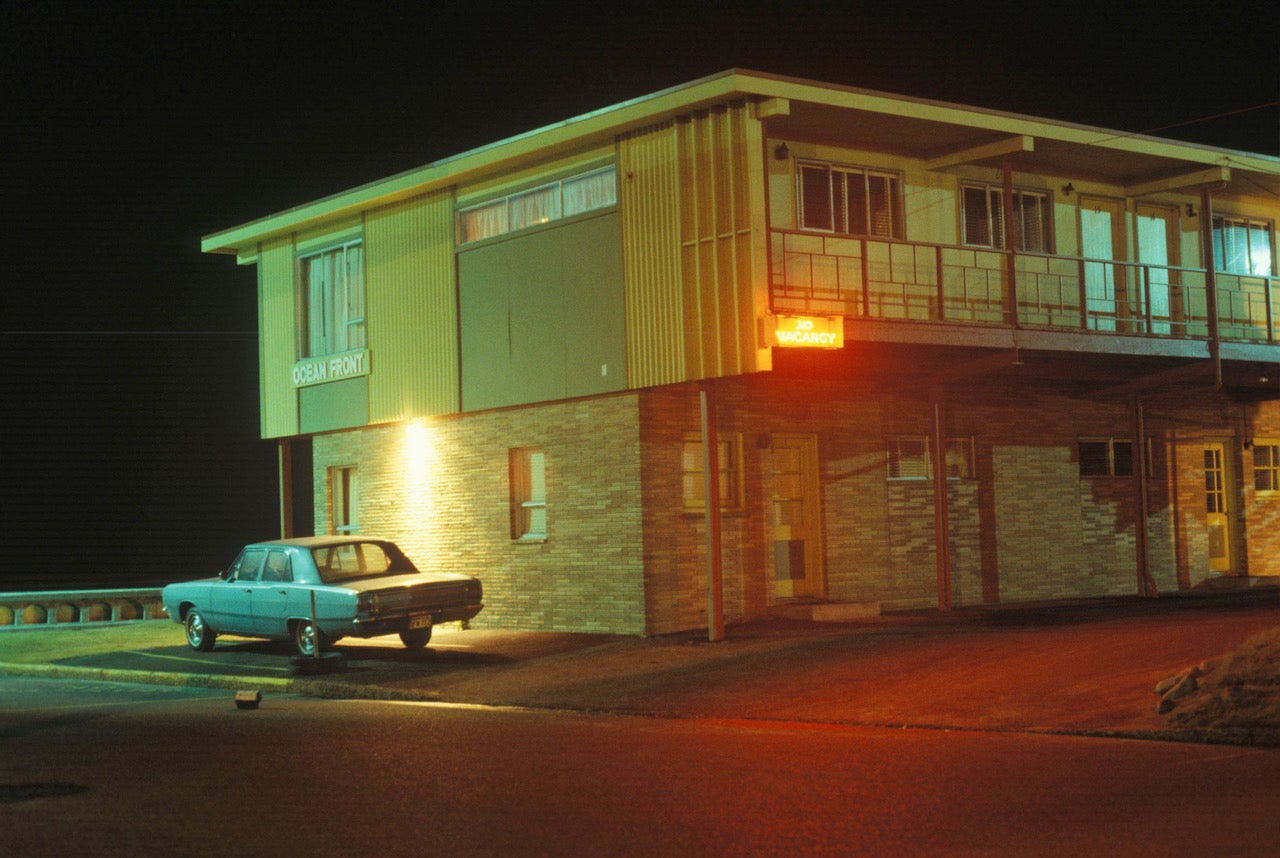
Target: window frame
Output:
[
  {"x": 353, "y": 310},
  {"x": 527, "y": 472},
  {"x": 959, "y": 461},
  {"x": 504, "y": 207},
  {"x": 1109, "y": 445},
  {"x": 729, "y": 470},
  {"x": 344, "y": 500},
  {"x": 893, "y": 196},
  {"x": 1249, "y": 224},
  {"x": 993, "y": 198},
  {"x": 1268, "y": 470}
]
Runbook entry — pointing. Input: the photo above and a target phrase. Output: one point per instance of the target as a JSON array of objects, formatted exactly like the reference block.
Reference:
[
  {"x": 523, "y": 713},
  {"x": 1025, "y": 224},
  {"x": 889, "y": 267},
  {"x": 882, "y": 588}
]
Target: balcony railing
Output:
[{"x": 905, "y": 280}]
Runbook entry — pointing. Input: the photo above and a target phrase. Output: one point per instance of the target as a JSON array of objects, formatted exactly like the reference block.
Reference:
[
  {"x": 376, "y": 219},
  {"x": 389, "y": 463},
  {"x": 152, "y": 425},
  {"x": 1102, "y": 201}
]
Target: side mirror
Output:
[{"x": 224, "y": 574}]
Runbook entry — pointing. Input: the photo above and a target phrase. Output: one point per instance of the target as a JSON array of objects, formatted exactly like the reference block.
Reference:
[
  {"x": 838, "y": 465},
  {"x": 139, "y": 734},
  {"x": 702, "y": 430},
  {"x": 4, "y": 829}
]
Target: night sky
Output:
[{"x": 129, "y": 447}]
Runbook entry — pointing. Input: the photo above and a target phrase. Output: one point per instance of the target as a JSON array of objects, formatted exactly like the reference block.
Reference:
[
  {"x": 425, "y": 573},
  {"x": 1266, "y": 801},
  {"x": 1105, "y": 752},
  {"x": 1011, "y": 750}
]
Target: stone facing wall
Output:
[
  {"x": 623, "y": 556},
  {"x": 440, "y": 488}
]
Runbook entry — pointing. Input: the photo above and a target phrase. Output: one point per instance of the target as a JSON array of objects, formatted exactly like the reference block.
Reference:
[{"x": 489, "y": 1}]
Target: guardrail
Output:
[{"x": 73, "y": 607}]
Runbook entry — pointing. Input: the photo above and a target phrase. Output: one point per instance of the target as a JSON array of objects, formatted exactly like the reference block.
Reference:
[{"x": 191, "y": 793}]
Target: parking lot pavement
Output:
[{"x": 1079, "y": 667}]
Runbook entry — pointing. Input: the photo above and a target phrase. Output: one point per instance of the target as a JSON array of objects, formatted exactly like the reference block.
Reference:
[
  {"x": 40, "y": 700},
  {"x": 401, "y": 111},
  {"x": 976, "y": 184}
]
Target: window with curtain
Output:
[
  {"x": 982, "y": 218},
  {"x": 728, "y": 466},
  {"x": 910, "y": 457},
  {"x": 1242, "y": 246},
  {"x": 850, "y": 201},
  {"x": 575, "y": 195},
  {"x": 344, "y": 500},
  {"x": 331, "y": 301},
  {"x": 528, "y": 486}
]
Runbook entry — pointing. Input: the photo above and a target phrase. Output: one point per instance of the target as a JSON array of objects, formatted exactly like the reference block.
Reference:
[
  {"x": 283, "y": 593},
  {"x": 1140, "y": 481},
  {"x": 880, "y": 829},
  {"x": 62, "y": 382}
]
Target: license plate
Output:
[{"x": 420, "y": 622}]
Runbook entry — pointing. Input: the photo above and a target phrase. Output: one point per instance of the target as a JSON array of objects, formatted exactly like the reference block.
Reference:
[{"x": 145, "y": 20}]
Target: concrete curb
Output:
[{"x": 337, "y": 690}]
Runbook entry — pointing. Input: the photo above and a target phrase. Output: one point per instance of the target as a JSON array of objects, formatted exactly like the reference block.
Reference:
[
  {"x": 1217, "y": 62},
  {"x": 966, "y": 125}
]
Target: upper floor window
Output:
[
  {"x": 982, "y": 218},
  {"x": 555, "y": 200},
  {"x": 331, "y": 300},
  {"x": 1242, "y": 246},
  {"x": 850, "y": 200}
]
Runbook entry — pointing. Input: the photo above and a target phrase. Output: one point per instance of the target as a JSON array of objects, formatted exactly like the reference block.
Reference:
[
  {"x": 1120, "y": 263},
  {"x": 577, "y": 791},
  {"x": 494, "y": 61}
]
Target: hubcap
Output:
[{"x": 195, "y": 629}]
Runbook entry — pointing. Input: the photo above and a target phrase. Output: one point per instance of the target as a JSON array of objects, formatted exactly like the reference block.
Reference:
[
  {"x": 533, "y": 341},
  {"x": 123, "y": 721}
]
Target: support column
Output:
[
  {"x": 285, "y": 453},
  {"x": 1146, "y": 583},
  {"x": 1210, "y": 282},
  {"x": 941, "y": 519},
  {"x": 711, "y": 493}
]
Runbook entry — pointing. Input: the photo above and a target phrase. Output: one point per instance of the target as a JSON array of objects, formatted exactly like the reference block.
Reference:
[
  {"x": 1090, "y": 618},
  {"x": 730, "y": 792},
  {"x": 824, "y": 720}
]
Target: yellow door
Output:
[
  {"x": 797, "y": 517},
  {"x": 1218, "y": 519}
]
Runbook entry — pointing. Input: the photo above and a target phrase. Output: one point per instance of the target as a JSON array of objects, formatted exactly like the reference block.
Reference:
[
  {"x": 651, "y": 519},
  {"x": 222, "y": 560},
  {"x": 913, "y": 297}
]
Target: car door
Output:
[
  {"x": 271, "y": 595},
  {"x": 230, "y": 607}
]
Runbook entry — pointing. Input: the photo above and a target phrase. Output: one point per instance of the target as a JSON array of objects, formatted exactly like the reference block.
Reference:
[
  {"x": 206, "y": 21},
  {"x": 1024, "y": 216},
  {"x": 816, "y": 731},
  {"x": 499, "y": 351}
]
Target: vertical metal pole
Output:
[
  {"x": 711, "y": 492},
  {"x": 942, "y": 528},
  {"x": 1146, "y": 584},
  {"x": 1011, "y": 300},
  {"x": 1210, "y": 281},
  {"x": 285, "y": 451}
]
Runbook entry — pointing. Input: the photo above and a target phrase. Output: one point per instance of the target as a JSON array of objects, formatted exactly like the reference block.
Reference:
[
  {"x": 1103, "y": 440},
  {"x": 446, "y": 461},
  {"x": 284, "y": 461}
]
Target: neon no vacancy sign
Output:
[{"x": 808, "y": 332}]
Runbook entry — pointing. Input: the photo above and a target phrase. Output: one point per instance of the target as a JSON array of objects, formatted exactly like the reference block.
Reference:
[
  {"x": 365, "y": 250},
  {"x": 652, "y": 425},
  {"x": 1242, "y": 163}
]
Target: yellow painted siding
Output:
[
  {"x": 693, "y": 225},
  {"x": 648, "y": 193},
  {"x": 277, "y": 338},
  {"x": 410, "y": 304}
]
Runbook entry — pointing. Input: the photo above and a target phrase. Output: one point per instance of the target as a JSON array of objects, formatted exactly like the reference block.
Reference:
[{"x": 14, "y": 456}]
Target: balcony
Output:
[{"x": 888, "y": 280}]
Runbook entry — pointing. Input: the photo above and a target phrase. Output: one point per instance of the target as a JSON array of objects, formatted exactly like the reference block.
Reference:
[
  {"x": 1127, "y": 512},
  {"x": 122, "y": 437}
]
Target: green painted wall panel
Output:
[{"x": 277, "y": 338}]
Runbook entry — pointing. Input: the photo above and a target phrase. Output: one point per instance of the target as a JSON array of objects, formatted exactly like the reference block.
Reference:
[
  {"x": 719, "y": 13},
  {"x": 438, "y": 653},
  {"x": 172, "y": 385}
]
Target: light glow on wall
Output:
[{"x": 420, "y": 461}]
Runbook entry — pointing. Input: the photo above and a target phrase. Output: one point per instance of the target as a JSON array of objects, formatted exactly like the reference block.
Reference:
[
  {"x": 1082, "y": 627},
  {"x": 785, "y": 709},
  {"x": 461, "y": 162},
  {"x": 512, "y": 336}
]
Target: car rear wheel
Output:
[
  {"x": 306, "y": 638},
  {"x": 199, "y": 636},
  {"x": 416, "y": 638}
]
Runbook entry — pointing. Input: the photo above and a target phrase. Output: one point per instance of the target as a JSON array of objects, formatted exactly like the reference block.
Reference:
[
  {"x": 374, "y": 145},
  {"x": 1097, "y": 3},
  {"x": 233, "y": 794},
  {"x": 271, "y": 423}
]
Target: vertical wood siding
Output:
[
  {"x": 693, "y": 205},
  {"x": 411, "y": 308},
  {"x": 649, "y": 195},
  {"x": 277, "y": 338}
]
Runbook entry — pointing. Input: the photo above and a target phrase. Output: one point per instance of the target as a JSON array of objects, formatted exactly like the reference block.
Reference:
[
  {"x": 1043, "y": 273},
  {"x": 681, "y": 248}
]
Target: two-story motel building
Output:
[{"x": 947, "y": 356}]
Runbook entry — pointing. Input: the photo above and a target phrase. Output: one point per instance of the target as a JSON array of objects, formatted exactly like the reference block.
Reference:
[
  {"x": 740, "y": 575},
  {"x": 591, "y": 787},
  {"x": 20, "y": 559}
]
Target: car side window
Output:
[
  {"x": 247, "y": 565},
  {"x": 278, "y": 567}
]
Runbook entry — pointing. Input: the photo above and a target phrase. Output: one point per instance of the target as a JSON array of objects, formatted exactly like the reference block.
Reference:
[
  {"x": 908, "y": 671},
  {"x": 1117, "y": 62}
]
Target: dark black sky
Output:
[{"x": 131, "y": 130}]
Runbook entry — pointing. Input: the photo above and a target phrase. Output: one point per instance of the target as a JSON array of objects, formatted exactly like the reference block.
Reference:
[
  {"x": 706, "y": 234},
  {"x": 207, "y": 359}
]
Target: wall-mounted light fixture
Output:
[
  {"x": 781, "y": 153},
  {"x": 1067, "y": 189},
  {"x": 1191, "y": 212}
]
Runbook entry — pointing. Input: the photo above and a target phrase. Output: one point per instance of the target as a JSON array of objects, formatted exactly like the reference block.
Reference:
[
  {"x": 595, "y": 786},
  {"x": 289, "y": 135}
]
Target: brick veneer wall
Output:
[{"x": 441, "y": 489}]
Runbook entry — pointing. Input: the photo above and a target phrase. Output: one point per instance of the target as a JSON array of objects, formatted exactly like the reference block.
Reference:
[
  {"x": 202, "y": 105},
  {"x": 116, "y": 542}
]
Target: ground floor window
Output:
[
  {"x": 729, "y": 466},
  {"x": 344, "y": 500},
  {"x": 528, "y": 494},
  {"x": 1106, "y": 457},
  {"x": 910, "y": 457},
  {"x": 1266, "y": 466}
]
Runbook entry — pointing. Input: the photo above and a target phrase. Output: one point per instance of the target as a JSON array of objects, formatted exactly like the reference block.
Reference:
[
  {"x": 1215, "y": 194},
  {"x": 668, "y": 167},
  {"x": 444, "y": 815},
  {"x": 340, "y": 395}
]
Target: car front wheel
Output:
[
  {"x": 416, "y": 638},
  {"x": 306, "y": 638},
  {"x": 199, "y": 636}
]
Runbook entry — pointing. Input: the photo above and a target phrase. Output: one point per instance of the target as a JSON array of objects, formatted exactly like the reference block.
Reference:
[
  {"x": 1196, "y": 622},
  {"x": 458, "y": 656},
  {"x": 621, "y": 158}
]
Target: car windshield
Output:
[{"x": 350, "y": 560}]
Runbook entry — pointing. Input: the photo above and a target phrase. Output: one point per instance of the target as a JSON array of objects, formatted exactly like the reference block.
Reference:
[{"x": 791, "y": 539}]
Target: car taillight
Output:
[{"x": 366, "y": 605}]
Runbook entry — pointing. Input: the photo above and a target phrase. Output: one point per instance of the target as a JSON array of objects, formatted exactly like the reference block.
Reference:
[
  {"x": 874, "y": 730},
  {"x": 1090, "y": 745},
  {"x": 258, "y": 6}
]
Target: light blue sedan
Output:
[{"x": 316, "y": 590}]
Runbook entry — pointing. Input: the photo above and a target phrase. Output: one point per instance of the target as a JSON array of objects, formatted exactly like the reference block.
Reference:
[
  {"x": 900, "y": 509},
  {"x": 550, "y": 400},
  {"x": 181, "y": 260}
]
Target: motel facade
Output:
[{"x": 755, "y": 345}]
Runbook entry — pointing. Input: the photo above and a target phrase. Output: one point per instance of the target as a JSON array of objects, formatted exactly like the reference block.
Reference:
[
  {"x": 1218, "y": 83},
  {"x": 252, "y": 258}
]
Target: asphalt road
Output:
[{"x": 111, "y": 769}]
